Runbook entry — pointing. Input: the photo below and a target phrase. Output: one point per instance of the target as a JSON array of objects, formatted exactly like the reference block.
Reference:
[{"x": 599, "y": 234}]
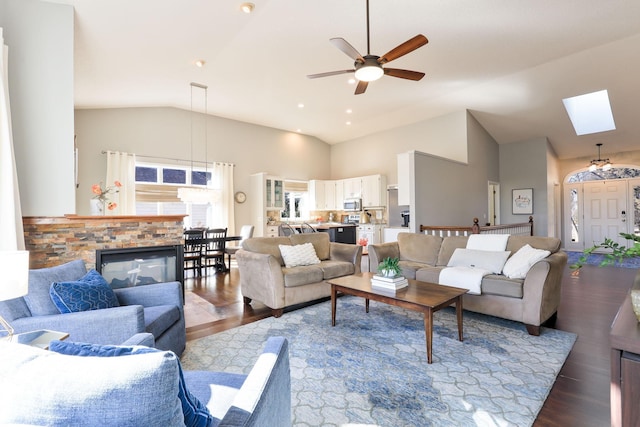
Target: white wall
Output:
[
  {"x": 40, "y": 40},
  {"x": 525, "y": 165},
  {"x": 444, "y": 136},
  {"x": 165, "y": 132}
]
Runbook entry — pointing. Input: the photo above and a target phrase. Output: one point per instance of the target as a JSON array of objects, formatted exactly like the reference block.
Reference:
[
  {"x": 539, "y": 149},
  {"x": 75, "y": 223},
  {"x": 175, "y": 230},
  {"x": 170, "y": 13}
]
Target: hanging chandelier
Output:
[{"x": 599, "y": 163}]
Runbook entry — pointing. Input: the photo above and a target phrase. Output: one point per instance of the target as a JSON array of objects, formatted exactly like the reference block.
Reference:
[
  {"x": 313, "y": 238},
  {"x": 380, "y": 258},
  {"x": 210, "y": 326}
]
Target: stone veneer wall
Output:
[{"x": 55, "y": 240}]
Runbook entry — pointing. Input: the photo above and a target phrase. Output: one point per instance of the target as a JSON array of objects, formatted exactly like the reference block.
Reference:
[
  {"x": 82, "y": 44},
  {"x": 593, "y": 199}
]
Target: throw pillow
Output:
[
  {"x": 195, "y": 412},
  {"x": 492, "y": 261},
  {"x": 296, "y": 255},
  {"x": 40, "y": 387},
  {"x": 488, "y": 242},
  {"x": 91, "y": 292},
  {"x": 521, "y": 262}
]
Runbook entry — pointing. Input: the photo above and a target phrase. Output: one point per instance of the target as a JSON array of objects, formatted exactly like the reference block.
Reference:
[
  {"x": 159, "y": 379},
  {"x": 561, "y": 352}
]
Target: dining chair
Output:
[
  {"x": 286, "y": 230},
  {"x": 193, "y": 248},
  {"x": 213, "y": 255},
  {"x": 306, "y": 228},
  {"x": 245, "y": 233}
]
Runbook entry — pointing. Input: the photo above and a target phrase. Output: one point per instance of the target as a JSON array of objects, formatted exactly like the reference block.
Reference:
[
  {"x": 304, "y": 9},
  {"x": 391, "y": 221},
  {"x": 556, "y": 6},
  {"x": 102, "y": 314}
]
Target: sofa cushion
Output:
[
  {"x": 409, "y": 268},
  {"x": 429, "y": 274},
  {"x": 488, "y": 242},
  {"x": 302, "y": 275},
  {"x": 450, "y": 244},
  {"x": 492, "y": 261},
  {"x": 42, "y": 387},
  {"x": 90, "y": 292},
  {"x": 38, "y": 299},
  {"x": 297, "y": 255},
  {"x": 519, "y": 264},
  {"x": 320, "y": 242},
  {"x": 195, "y": 412},
  {"x": 266, "y": 245},
  {"x": 498, "y": 284},
  {"x": 419, "y": 247},
  {"x": 159, "y": 318},
  {"x": 333, "y": 269},
  {"x": 551, "y": 244}
]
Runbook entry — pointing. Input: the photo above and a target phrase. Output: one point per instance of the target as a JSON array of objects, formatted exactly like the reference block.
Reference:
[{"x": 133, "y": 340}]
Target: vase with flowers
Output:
[{"x": 101, "y": 195}]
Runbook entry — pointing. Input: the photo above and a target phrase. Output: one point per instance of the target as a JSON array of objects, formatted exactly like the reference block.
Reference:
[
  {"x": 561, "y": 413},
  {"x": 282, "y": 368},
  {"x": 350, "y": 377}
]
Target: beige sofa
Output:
[
  {"x": 533, "y": 300},
  {"x": 264, "y": 277}
]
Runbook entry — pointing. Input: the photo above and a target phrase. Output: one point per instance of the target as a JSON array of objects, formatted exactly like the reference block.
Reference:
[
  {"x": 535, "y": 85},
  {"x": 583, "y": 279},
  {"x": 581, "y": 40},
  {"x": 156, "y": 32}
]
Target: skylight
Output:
[{"x": 590, "y": 113}]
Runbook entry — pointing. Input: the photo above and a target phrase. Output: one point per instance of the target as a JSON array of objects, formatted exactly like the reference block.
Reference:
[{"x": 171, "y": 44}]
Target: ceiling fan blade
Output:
[
  {"x": 330, "y": 73},
  {"x": 349, "y": 50},
  {"x": 362, "y": 86},
  {"x": 401, "y": 50},
  {"x": 404, "y": 74}
]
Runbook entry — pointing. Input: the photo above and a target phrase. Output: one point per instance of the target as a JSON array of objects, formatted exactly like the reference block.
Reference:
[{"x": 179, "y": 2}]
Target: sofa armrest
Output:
[
  {"x": 265, "y": 396},
  {"x": 143, "y": 338},
  {"x": 106, "y": 326},
  {"x": 347, "y": 253},
  {"x": 379, "y": 252},
  {"x": 261, "y": 278},
  {"x": 542, "y": 288},
  {"x": 168, "y": 293}
]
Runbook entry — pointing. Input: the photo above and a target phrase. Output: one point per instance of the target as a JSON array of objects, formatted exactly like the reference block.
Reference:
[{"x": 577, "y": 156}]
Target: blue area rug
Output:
[
  {"x": 372, "y": 368},
  {"x": 596, "y": 259}
]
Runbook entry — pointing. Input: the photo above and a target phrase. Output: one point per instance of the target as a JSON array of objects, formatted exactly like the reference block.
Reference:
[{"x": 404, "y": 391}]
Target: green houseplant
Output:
[{"x": 389, "y": 267}]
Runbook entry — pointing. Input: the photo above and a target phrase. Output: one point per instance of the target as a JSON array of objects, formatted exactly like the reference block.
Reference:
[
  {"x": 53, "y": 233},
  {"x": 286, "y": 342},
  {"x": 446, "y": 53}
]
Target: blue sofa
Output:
[
  {"x": 39, "y": 387},
  {"x": 156, "y": 308}
]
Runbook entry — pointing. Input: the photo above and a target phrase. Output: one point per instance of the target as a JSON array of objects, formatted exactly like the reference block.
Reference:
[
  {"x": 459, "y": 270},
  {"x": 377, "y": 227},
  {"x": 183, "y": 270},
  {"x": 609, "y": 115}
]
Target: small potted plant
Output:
[{"x": 389, "y": 267}]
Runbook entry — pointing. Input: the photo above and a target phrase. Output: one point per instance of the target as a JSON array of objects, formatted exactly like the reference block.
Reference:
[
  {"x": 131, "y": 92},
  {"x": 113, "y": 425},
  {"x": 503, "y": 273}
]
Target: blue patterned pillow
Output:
[
  {"x": 91, "y": 292},
  {"x": 195, "y": 412}
]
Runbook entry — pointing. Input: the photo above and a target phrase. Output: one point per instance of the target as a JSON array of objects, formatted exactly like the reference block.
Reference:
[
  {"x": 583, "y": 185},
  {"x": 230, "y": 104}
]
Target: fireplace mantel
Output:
[{"x": 54, "y": 240}]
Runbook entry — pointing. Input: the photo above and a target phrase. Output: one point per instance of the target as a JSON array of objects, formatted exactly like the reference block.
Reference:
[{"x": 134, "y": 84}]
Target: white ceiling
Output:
[{"x": 510, "y": 62}]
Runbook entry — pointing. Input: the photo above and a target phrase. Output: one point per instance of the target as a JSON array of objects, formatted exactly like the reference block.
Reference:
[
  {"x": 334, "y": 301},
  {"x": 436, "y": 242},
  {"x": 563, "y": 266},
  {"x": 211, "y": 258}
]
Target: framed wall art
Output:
[{"x": 522, "y": 201}]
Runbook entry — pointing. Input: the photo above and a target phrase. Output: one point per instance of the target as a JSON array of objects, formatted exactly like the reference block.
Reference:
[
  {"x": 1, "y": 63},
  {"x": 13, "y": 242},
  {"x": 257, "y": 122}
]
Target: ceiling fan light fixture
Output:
[{"x": 369, "y": 70}]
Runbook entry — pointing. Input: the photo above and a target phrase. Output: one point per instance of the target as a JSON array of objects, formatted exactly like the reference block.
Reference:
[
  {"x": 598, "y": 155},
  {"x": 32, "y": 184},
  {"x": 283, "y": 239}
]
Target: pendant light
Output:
[
  {"x": 599, "y": 163},
  {"x": 193, "y": 194}
]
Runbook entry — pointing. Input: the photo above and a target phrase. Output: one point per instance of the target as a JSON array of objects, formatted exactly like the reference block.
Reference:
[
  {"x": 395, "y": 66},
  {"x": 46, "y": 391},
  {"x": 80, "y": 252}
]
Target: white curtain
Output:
[
  {"x": 11, "y": 231},
  {"x": 122, "y": 167},
  {"x": 222, "y": 213}
]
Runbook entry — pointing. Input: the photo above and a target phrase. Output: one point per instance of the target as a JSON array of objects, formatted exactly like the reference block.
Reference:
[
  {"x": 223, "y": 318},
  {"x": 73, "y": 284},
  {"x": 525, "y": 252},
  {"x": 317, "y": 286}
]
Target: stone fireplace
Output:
[{"x": 55, "y": 240}]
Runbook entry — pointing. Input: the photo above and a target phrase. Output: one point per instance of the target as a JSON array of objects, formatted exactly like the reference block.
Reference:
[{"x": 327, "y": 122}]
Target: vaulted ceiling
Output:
[{"x": 509, "y": 62}]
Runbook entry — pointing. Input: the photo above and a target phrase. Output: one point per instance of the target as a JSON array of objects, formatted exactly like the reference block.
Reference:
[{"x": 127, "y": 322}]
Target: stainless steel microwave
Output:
[{"x": 352, "y": 205}]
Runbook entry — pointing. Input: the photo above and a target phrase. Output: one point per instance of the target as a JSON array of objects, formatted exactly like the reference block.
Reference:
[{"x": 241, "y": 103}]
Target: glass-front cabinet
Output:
[{"x": 274, "y": 192}]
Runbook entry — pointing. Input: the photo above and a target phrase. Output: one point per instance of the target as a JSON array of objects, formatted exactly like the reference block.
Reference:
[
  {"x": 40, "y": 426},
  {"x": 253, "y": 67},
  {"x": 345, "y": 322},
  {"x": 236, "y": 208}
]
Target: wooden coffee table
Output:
[{"x": 419, "y": 296}]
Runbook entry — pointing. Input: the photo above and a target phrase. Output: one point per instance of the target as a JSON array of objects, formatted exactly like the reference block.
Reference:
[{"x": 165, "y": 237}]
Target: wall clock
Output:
[{"x": 240, "y": 197}]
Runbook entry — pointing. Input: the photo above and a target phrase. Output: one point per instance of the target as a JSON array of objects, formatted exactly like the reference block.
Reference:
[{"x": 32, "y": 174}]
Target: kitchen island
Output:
[{"x": 338, "y": 232}]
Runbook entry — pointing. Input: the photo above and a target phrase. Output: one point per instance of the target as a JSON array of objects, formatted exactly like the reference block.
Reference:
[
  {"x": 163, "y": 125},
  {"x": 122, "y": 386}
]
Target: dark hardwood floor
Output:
[{"x": 579, "y": 397}]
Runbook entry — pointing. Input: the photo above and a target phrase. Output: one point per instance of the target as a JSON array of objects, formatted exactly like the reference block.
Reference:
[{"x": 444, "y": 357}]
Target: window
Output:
[
  {"x": 157, "y": 192},
  {"x": 295, "y": 200}
]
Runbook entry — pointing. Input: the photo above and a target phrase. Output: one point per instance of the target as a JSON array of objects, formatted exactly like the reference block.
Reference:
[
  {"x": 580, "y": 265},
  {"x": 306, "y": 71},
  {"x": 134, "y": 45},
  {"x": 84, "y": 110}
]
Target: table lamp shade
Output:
[{"x": 14, "y": 266}]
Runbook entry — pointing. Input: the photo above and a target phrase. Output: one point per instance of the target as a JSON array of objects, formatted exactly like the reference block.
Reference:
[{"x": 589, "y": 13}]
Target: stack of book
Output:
[{"x": 394, "y": 283}]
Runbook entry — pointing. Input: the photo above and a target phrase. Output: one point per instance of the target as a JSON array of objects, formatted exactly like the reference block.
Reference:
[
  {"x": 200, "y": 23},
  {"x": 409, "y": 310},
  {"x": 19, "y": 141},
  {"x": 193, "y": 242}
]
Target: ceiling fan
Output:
[{"x": 369, "y": 67}]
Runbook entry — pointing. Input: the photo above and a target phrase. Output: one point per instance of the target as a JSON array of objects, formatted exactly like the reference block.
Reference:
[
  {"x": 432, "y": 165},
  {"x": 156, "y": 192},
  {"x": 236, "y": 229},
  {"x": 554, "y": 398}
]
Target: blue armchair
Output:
[
  {"x": 155, "y": 308},
  {"x": 39, "y": 387}
]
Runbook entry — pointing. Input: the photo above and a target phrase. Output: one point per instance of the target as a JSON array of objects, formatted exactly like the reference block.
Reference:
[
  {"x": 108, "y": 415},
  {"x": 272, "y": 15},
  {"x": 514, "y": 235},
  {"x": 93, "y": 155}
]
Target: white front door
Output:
[{"x": 605, "y": 211}]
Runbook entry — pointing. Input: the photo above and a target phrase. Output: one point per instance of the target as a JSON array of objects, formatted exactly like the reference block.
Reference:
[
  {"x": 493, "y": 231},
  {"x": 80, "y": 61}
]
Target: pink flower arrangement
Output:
[
  {"x": 103, "y": 193},
  {"x": 363, "y": 241}
]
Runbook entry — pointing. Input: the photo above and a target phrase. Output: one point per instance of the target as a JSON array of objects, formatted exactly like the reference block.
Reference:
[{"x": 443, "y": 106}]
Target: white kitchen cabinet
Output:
[
  {"x": 316, "y": 195},
  {"x": 330, "y": 196},
  {"x": 339, "y": 194},
  {"x": 271, "y": 231},
  {"x": 374, "y": 191},
  {"x": 352, "y": 187},
  {"x": 267, "y": 193}
]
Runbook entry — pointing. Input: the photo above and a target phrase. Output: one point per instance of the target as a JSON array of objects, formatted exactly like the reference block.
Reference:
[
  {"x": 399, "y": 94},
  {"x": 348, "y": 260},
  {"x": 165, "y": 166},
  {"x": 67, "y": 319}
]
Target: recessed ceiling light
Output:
[
  {"x": 247, "y": 7},
  {"x": 349, "y": 111},
  {"x": 348, "y": 123},
  {"x": 298, "y": 130},
  {"x": 200, "y": 63},
  {"x": 301, "y": 105},
  {"x": 351, "y": 81}
]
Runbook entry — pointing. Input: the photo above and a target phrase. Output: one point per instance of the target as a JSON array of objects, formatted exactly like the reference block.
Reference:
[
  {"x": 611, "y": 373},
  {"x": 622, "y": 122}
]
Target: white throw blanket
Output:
[{"x": 463, "y": 277}]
